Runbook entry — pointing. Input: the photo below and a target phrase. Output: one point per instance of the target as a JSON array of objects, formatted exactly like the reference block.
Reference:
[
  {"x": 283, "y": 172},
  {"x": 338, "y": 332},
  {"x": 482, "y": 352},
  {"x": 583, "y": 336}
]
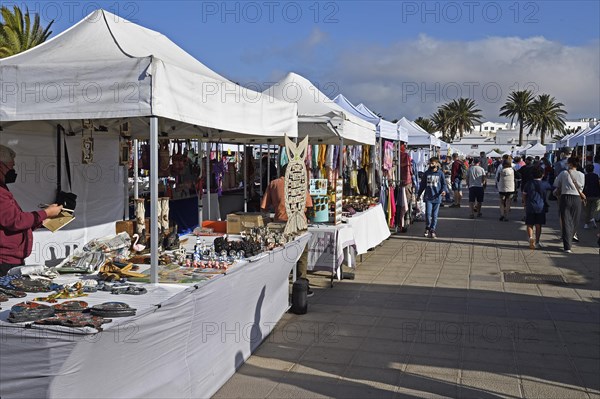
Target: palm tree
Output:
[
  {"x": 547, "y": 115},
  {"x": 463, "y": 115},
  {"x": 441, "y": 122},
  {"x": 518, "y": 105},
  {"x": 562, "y": 134},
  {"x": 18, "y": 34},
  {"x": 425, "y": 124}
]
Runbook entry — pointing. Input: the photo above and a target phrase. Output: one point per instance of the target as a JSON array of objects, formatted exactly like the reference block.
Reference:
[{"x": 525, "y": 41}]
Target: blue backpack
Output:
[{"x": 536, "y": 198}]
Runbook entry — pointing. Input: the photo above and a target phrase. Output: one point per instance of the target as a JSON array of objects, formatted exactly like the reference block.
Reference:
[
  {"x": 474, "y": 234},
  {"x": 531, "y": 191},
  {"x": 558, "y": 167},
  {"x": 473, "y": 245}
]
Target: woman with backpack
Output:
[
  {"x": 505, "y": 182},
  {"x": 535, "y": 207}
]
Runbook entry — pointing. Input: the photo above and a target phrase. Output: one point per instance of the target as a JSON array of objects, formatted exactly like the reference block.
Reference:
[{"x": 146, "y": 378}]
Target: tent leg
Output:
[
  {"x": 245, "y": 179},
  {"x": 154, "y": 200},
  {"x": 136, "y": 189},
  {"x": 199, "y": 194},
  {"x": 208, "y": 151}
]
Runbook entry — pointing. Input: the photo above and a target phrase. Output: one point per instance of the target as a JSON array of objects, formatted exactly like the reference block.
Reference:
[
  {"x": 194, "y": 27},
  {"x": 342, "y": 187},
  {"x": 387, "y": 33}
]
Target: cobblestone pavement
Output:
[{"x": 435, "y": 318}]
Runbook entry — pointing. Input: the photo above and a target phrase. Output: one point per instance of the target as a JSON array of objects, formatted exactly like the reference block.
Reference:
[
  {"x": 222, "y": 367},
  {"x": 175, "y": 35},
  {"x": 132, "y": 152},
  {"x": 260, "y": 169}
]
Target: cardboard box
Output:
[{"x": 236, "y": 223}]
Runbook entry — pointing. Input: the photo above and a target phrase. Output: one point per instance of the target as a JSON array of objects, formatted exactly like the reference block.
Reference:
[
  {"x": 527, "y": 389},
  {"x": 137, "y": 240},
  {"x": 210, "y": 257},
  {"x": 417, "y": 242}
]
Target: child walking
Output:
[{"x": 535, "y": 207}]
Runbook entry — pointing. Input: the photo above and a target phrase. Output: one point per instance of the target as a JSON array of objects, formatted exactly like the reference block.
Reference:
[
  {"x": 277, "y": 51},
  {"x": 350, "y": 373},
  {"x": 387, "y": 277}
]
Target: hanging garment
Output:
[
  {"x": 363, "y": 181},
  {"x": 336, "y": 156},
  {"x": 366, "y": 156},
  {"x": 388, "y": 155},
  {"x": 315, "y": 156},
  {"x": 392, "y": 209},
  {"x": 354, "y": 181},
  {"x": 308, "y": 159},
  {"x": 283, "y": 158}
]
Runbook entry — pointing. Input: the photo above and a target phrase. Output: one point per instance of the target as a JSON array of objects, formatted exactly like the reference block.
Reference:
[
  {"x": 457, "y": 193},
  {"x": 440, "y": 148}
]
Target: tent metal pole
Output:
[
  {"x": 136, "y": 189},
  {"x": 126, "y": 191},
  {"x": 245, "y": 179},
  {"x": 208, "y": 151},
  {"x": 199, "y": 194},
  {"x": 154, "y": 200},
  {"x": 261, "y": 169},
  {"x": 268, "y": 165}
]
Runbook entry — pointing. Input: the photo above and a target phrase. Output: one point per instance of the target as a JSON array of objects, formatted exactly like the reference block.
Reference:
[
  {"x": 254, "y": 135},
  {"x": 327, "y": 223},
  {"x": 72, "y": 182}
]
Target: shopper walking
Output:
[
  {"x": 591, "y": 189},
  {"x": 534, "y": 200},
  {"x": 505, "y": 182},
  {"x": 433, "y": 184},
  {"x": 569, "y": 188},
  {"x": 457, "y": 177},
  {"x": 476, "y": 181}
]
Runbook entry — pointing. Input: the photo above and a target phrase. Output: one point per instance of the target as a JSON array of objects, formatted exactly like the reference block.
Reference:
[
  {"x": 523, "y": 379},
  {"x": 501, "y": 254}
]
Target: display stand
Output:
[{"x": 185, "y": 341}]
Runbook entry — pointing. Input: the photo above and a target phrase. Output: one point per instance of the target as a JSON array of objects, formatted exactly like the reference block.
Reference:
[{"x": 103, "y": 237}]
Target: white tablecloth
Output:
[
  {"x": 326, "y": 246},
  {"x": 370, "y": 229},
  {"x": 184, "y": 342}
]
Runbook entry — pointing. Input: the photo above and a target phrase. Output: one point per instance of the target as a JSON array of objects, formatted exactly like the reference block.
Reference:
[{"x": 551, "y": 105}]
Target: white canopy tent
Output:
[
  {"x": 417, "y": 136},
  {"x": 587, "y": 137},
  {"x": 319, "y": 117},
  {"x": 385, "y": 129},
  {"x": 106, "y": 68},
  {"x": 533, "y": 150},
  {"x": 493, "y": 154}
]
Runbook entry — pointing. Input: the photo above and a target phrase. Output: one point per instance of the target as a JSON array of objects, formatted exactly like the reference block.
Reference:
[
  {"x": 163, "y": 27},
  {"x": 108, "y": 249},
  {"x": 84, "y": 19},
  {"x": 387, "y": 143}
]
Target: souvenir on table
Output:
[
  {"x": 73, "y": 291},
  {"x": 74, "y": 319},
  {"x": 112, "y": 309},
  {"x": 29, "y": 311},
  {"x": 87, "y": 150},
  {"x": 318, "y": 187},
  {"x": 12, "y": 293},
  {"x": 82, "y": 262},
  {"x": 295, "y": 186},
  {"x": 29, "y": 285},
  {"x": 3, "y": 298},
  {"x": 70, "y": 306},
  {"x": 339, "y": 186}
]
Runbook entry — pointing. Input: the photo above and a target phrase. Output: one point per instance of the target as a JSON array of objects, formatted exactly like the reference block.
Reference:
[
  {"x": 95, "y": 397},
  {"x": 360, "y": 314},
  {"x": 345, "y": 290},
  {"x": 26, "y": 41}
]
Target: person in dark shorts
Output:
[
  {"x": 535, "y": 207},
  {"x": 476, "y": 180}
]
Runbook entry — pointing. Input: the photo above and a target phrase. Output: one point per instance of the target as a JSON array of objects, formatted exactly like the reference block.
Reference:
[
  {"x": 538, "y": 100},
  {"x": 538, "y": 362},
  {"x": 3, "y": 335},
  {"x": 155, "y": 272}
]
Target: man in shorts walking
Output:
[{"x": 476, "y": 181}]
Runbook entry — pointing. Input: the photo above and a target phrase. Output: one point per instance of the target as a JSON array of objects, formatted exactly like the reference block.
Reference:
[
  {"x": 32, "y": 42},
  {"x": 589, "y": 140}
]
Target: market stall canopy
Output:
[
  {"x": 318, "y": 116},
  {"x": 493, "y": 154},
  {"x": 568, "y": 140},
  {"x": 536, "y": 149},
  {"x": 385, "y": 129},
  {"x": 106, "y": 67},
  {"x": 417, "y": 136},
  {"x": 586, "y": 137}
]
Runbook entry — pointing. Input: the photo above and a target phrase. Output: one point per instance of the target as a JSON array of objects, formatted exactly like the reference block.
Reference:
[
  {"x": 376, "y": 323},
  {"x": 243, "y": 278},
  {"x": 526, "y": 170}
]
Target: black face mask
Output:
[{"x": 10, "y": 177}]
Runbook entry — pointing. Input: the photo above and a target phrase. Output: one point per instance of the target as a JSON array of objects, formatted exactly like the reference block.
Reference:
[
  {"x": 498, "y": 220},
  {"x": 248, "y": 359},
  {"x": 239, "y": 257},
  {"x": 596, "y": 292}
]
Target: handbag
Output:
[
  {"x": 66, "y": 199},
  {"x": 581, "y": 194}
]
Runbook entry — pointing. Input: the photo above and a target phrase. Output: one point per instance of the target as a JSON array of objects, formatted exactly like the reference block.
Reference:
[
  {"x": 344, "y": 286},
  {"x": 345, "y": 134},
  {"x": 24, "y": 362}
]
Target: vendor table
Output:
[
  {"x": 184, "y": 342},
  {"x": 370, "y": 229},
  {"x": 326, "y": 247}
]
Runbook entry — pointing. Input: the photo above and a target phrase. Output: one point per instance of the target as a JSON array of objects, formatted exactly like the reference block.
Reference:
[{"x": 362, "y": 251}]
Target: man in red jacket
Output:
[{"x": 16, "y": 226}]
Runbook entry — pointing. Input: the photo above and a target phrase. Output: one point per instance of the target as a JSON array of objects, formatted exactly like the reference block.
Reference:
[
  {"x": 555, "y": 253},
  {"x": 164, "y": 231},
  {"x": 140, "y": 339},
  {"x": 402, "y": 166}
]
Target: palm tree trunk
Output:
[
  {"x": 520, "y": 132},
  {"x": 543, "y": 136}
]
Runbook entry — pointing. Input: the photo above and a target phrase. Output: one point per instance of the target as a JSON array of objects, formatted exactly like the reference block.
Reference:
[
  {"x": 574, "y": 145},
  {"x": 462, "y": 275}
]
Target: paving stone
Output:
[
  {"x": 543, "y": 389},
  {"x": 500, "y": 386}
]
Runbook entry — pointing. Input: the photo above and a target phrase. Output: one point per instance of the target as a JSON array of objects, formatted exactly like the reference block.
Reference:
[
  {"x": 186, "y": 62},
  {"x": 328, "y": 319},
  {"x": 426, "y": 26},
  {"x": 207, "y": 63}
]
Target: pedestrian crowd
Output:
[{"x": 574, "y": 187}]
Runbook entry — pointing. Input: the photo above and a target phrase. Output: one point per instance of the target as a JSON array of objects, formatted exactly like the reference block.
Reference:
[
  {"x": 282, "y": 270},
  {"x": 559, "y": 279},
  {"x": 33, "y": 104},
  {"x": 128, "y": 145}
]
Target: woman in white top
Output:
[
  {"x": 570, "y": 182},
  {"x": 505, "y": 182}
]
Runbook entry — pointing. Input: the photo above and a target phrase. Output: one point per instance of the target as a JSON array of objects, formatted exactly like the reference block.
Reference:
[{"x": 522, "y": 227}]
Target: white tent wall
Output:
[{"x": 99, "y": 186}]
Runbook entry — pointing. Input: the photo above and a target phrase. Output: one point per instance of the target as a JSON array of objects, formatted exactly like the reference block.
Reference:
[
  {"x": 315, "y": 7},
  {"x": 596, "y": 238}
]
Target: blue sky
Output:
[{"x": 401, "y": 58}]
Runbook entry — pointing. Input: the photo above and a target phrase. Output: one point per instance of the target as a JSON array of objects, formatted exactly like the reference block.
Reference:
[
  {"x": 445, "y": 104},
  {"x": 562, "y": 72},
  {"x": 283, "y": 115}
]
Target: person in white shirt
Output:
[
  {"x": 476, "y": 181},
  {"x": 570, "y": 183},
  {"x": 505, "y": 182}
]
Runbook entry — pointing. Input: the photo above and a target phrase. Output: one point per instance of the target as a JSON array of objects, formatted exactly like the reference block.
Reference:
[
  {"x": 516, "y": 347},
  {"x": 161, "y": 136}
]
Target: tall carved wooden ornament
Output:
[{"x": 295, "y": 186}]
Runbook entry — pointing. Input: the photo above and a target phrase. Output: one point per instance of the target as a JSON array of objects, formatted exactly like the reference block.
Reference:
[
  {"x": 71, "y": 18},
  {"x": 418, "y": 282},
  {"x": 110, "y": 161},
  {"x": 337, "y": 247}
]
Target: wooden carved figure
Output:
[{"x": 295, "y": 186}]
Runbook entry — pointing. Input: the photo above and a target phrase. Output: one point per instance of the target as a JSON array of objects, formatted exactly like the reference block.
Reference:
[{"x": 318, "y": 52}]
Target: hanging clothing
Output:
[
  {"x": 362, "y": 180},
  {"x": 388, "y": 155},
  {"x": 365, "y": 157},
  {"x": 354, "y": 181}
]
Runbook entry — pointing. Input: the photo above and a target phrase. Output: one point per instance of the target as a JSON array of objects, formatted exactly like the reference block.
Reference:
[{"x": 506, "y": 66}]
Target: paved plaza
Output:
[{"x": 430, "y": 318}]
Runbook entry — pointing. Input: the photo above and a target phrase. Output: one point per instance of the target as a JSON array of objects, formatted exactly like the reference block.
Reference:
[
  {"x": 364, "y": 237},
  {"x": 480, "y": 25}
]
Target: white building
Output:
[{"x": 491, "y": 128}]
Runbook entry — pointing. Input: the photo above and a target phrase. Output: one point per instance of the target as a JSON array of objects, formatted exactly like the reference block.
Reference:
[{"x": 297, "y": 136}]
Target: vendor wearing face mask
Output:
[
  {"x": 16, "y": 226},
  {"x": 434, "y": 185}
]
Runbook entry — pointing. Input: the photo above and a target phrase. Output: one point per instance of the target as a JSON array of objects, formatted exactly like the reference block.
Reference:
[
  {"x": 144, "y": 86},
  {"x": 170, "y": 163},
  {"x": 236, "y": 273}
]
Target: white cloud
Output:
[
  {"x": 300, "y": 50},
  {"x": 411, "y": 78}
]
